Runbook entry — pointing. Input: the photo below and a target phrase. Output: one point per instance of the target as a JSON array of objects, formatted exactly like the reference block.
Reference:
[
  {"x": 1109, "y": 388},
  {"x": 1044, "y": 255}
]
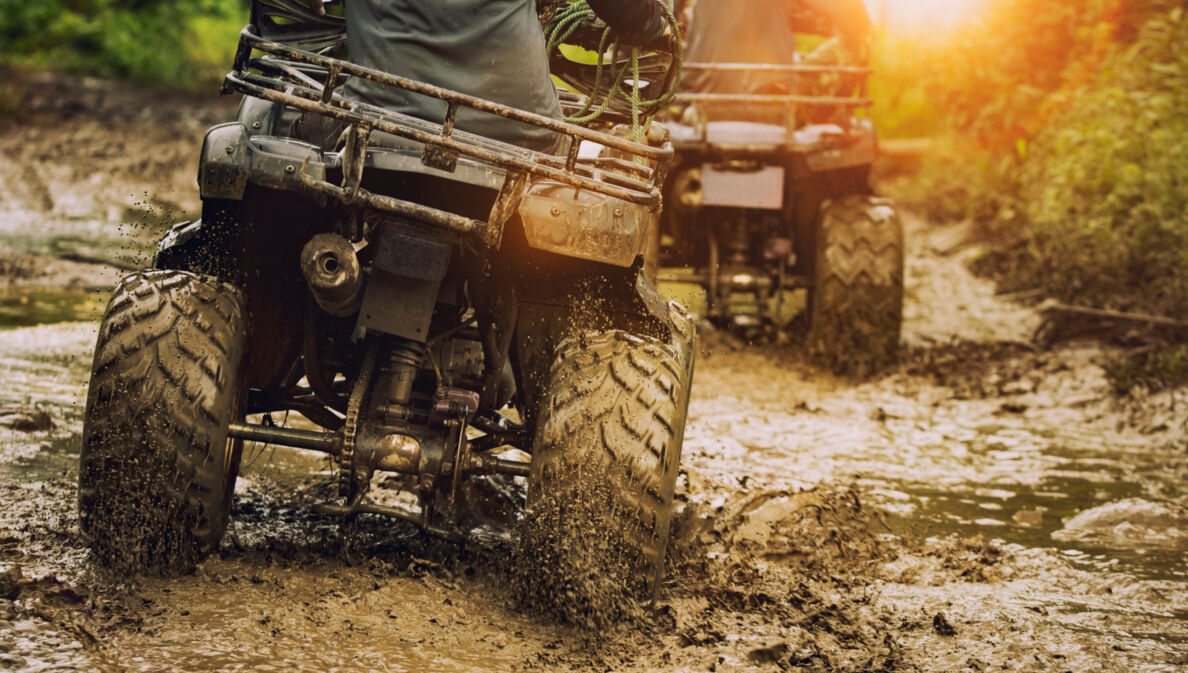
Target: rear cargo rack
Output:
[
  {"x": 855, "y": 76},
  {"x": 311, "y": 82}
]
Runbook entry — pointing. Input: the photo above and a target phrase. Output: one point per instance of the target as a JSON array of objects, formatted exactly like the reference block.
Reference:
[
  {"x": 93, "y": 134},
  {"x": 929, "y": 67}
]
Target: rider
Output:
[
  {"x": 763, "y": 32},
  {"x": 490, "y": 49}
]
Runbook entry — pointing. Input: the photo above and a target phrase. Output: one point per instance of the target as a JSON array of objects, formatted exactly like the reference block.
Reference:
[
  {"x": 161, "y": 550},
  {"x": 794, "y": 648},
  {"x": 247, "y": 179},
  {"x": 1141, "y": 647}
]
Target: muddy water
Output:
[
  {"x": 1012, "y": 467},
  {"x": 969, "y": 461},
  {"x": 28, "y": 308}
]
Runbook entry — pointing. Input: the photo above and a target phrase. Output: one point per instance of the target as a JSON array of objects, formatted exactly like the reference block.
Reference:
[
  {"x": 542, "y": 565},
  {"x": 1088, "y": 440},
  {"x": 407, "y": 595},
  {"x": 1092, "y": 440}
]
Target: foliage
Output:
[
  {"x": 953, "y": 184},
  {"x": 992, "y": 81},
  {"x": 1106, "y": 188},
  {"x": 902, "y": 104},
  {"x": 181, "y": 43},
  {"x": 1149, "y": 369},
  {"x": 1084, "y": 154},
  {"x": 1079, "y": 163},
  {"x": 994, "y": 77}
]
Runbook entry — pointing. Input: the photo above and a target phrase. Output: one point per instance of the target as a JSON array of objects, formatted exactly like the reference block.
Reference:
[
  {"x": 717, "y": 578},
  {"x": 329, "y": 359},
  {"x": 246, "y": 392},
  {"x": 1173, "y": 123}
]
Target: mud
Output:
[
  {"x": 93, "y": 171},
  {"x": 983, "y": 506}
]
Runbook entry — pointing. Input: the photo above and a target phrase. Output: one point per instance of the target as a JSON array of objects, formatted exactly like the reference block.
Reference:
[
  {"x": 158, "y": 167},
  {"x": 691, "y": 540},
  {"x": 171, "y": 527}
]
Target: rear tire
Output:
[
  {"x": 604, "y": 470},
  {"x": 856, "y": 306},
  {"x": 157, "y": 470}
]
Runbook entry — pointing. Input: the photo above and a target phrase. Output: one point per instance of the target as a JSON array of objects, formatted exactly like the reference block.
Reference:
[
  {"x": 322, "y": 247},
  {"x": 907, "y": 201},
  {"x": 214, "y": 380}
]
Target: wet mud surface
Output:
[{"x": 983, "y": 506}]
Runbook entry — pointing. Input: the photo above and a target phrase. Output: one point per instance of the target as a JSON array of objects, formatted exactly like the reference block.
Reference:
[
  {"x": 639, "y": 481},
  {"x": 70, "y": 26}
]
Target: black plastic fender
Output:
[
  {"x": 259, "y": 116},
  {"x": 225, "y": 162}
]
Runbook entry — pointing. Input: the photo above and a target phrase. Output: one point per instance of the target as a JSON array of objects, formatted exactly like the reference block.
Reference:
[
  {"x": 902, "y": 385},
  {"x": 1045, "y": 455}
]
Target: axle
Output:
[
  {"x": 326, "y": 442},
  {"x": 393, "y": 452}
]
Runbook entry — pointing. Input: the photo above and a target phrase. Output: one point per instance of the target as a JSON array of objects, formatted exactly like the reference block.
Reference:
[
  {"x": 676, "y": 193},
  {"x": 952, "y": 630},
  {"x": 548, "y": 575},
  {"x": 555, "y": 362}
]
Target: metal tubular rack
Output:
[
  {"x": 860, "y": 74},
  {"x": 310, "y": 82}
]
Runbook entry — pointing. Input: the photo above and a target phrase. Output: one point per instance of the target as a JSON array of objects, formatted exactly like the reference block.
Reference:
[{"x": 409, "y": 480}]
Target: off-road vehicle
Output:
[
  {"x": 442, "y": 305},
  {"x": 756, "y": 211}
]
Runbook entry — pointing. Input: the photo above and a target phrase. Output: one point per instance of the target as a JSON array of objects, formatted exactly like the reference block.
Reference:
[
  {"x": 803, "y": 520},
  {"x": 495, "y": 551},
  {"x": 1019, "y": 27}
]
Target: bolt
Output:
[
  {"x": 618, "y": 212},
  {"x": 255, "y": 125},
  {"x": 555, "y": 211},
  {"x": 290, "y": 169},
  {"x": 229, "y": 149}
]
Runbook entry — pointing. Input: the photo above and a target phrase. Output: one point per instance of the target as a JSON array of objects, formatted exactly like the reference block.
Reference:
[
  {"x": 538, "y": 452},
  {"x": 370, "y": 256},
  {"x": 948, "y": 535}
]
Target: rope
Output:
[{"x": 566, "y": 20}]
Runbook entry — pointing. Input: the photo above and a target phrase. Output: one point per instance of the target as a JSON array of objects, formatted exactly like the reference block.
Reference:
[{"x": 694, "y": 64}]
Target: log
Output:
[{"x": 1050, "y": 307}]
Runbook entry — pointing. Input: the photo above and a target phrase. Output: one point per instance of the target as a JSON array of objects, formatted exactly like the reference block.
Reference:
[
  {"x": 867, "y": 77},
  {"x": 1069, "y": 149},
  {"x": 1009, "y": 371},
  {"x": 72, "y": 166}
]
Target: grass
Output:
[{"x": 181, "y": 44}]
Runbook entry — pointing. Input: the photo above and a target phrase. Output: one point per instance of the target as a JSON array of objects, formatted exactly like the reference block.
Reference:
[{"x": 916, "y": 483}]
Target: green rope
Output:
[{"x": 565, "y": 22}]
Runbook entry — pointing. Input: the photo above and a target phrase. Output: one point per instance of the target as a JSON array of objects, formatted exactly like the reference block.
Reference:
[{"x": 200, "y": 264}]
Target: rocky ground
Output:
[{"x": 987, "y": 505}]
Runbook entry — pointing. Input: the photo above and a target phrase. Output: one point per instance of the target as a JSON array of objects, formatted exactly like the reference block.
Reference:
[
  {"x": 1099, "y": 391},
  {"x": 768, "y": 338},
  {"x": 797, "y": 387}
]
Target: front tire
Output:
[
  {"x": 157, "y": 469},
  {"x": 604, "y": 470},
  {"x": 856, "y": 305}
]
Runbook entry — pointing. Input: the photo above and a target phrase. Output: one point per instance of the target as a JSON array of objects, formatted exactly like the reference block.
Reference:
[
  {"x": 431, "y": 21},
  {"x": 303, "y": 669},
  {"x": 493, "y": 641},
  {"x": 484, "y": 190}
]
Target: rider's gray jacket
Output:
[
  {"x": 493, "y": 49},
  {"x": 757, "y": 31}
]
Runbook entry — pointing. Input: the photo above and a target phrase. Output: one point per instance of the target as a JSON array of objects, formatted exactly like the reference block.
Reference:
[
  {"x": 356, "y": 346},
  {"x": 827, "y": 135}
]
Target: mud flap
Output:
[
  {"x": 652, "y": 301},
  {"x": 199, "y": 245}
]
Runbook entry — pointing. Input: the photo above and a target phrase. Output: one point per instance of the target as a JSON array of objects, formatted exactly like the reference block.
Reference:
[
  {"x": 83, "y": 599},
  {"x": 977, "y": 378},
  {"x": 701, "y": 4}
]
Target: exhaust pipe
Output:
[{"x": 332, "y": 272}]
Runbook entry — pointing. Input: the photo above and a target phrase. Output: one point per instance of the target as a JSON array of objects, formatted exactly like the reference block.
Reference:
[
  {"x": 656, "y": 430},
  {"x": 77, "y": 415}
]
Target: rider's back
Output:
[
  {"x": 493, "y": 49},
  {"x": 741, "y": 31}
]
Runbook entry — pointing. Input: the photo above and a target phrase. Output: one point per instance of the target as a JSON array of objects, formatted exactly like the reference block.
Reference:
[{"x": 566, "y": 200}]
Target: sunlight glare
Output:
[{"x": 911, "y": 17}]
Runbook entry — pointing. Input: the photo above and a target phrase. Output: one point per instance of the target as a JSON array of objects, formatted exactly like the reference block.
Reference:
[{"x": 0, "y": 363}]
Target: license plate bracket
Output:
[{"x": 762, "y": 189}]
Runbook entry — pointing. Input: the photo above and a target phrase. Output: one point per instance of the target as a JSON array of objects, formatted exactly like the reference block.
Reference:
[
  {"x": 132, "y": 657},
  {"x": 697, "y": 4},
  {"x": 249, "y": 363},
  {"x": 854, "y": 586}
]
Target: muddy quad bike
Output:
[
  {"x": 756, "y": 211},
  {"x": 430, "y": 298}
]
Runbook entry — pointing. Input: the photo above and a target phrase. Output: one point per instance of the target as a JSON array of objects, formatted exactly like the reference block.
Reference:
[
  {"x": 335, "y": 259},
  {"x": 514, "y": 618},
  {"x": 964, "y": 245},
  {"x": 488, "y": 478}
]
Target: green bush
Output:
[
  {"x": 953, "y": 184},
  {"x": 1083, "y": 171},
  {"x": 991, "y": 80},
  {"x": 185, "y": 43},
  {"x": 1105, "y": 187},
  {"x": 1085, "y": 157}
]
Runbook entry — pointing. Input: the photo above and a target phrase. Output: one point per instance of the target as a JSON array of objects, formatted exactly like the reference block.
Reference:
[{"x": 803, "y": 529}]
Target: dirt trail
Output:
[{"x": 915, "y": 522}]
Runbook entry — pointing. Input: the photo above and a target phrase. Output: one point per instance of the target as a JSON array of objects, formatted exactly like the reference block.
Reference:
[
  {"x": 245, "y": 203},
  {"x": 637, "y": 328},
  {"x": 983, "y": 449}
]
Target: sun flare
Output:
[{"x": 920, "y": 16}]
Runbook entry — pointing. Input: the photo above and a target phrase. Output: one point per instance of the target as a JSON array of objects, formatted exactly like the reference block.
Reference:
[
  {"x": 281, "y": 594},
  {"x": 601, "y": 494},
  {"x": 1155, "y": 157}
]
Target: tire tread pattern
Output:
[
  {"x": 857, "y": 299},
  {"x": 154, "y": 483},
  {"x": 607, "y": 453}
]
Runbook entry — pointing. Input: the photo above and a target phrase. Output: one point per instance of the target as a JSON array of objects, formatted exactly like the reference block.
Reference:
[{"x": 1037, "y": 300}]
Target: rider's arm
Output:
[{"x": 634, "y": 20}]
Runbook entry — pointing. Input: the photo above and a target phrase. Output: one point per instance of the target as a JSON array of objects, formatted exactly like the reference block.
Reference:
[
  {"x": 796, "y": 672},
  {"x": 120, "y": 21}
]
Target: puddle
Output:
[
  {"x": 26, "y": 307},
  {"x": 950, "y": 468},
  {"x": 51, "y": 457}
]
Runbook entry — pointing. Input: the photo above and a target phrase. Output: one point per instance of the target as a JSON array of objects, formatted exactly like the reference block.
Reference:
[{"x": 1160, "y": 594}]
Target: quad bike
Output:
[
  {"x": 757, "y": 211},
  {"x": 430, "y": 298}
]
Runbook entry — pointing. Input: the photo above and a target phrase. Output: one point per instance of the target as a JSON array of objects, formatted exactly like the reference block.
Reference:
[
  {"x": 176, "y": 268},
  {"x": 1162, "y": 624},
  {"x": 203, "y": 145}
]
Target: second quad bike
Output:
[
  {"x": 755, "y": 211},
  {"x": 442, "y": 305}
]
